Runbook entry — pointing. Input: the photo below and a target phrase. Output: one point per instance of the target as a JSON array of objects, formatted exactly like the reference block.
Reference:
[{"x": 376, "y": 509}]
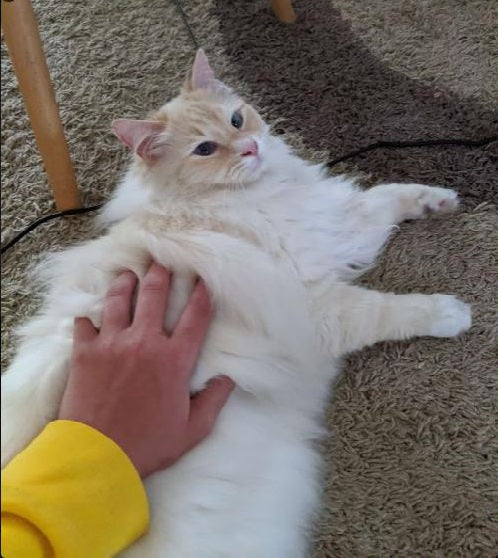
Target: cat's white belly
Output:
[{"x": 248, "y": 491}]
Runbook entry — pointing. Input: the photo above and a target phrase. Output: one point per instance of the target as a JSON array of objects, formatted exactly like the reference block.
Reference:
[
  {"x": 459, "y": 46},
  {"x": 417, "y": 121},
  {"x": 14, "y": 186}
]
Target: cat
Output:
[{"x": 212, "y": 193}]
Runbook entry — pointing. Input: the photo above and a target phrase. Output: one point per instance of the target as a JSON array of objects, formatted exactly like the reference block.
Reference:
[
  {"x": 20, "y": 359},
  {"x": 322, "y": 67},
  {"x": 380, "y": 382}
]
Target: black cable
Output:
[
  {"x": 377, "y": 145},
  {"x": 414, "y": 143},
  {"x": 44, "y": 219},
  {"x": 187, "y": 24}
]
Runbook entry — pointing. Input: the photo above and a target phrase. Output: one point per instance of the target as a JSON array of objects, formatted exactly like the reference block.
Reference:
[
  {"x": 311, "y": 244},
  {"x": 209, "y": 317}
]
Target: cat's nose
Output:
[{"x": 250, "y": 148}]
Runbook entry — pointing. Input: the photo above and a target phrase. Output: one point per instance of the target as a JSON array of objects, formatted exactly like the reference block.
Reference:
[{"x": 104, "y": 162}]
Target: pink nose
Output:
[{"x": 251, "y": 148}]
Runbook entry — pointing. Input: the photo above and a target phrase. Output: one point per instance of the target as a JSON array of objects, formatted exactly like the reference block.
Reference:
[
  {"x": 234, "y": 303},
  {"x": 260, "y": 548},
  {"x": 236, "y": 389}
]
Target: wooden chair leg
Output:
[
  {"x": 28, "y": 60},
  {"x": 283, "y": 10}
]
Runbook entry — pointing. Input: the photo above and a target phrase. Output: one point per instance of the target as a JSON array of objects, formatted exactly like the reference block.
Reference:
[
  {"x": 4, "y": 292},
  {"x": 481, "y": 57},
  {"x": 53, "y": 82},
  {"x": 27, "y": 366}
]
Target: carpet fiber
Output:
[{"x": 412, "y": 458}]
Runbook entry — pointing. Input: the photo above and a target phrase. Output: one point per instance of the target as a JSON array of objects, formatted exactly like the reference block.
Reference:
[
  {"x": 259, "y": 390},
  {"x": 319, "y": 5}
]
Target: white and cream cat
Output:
[{"x": 212, "y": 193}]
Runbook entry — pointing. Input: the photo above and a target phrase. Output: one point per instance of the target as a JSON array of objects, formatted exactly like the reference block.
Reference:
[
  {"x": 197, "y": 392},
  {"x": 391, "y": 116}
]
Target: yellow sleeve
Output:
[{"x": 71, "y": 493}]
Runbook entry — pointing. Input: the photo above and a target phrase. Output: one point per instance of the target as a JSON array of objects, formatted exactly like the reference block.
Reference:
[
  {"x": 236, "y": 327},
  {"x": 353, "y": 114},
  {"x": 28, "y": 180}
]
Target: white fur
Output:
[{"x": 277, "y": 256}]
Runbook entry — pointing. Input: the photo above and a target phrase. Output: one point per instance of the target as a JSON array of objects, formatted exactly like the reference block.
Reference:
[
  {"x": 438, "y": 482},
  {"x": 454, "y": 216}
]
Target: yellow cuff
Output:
[
  {"x": 20, "y": 538},
  {"x": 76, "y": 490}
]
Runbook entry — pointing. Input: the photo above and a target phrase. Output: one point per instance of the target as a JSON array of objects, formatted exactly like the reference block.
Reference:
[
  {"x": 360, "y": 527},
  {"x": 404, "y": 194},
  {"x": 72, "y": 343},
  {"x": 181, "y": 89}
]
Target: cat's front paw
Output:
[
  {"x": 433, "y": 199},
  {"x": 451, "y": 316}
]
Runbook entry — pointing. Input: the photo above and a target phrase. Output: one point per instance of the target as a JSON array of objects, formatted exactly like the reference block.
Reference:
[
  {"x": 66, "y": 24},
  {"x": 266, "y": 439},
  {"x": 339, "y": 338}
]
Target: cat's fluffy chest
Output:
[{"x": 306, "y": 222}]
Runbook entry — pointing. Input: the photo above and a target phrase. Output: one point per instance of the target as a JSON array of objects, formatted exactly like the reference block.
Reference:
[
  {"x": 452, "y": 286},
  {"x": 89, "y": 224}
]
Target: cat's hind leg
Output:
[
  {"x": 32, "y": 385},
  {"x": 356, "y": 317}
]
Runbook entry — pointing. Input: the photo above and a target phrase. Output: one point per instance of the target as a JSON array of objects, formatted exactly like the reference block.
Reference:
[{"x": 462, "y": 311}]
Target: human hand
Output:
[{"x": 130, "y": 380}]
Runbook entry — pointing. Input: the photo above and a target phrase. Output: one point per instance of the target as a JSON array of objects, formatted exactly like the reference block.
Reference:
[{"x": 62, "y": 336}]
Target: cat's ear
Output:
[
  {"x": 144, "y": 137},
  {"x": 202, "y": 76}
]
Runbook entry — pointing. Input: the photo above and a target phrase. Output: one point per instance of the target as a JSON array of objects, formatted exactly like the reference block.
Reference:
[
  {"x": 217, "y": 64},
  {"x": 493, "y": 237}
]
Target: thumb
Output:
[{"x": 205, "y": 407}]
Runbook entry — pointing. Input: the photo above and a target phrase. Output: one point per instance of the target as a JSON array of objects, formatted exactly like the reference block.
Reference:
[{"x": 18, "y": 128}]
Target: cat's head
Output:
[{"x": 206, "y": 135}]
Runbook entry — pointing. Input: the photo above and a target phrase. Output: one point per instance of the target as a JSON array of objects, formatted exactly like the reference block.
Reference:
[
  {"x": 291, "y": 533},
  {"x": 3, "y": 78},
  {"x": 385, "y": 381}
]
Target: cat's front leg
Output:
[
  {"x": 393, "y": 203},
  {"x": 355, "y": 317}
]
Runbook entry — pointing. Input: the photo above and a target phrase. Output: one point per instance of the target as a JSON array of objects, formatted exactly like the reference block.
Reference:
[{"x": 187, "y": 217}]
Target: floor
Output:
[{"x": 412, "y": 458}]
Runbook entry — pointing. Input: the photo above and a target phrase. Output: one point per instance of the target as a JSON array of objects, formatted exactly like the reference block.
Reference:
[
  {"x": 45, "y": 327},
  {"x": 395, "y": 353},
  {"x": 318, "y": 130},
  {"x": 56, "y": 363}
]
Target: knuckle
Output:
[
  {"x": 208, "y": 422},
  {"x": 112, "y": 342},
  {"x": 152, "y": 286},
  {"x": 180, "y": 358},
  {"x": 139, "y": 345},
  {"x": 202, "y": 431},
  {"x": 202, "y": 300},
  {"x": 122, "y": 285},
  {"x": 189, "y": 331},
  {"x": 134, "y": 345},
  {"x": 117, "y": 291},
  {"x": 201, "y": 309},
  {"x": 105, "y": 347},
  {"x": 81, "y": 354},
  {"x": 154, "y": 282}
]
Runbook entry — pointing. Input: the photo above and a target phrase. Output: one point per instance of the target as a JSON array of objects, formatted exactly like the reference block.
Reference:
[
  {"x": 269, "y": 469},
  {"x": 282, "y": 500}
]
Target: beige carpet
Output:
[{"x": 412, "y": 460}]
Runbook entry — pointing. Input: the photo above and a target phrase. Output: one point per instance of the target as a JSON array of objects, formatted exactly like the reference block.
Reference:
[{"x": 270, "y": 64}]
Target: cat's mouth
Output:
[
  {"x": 253, "y": 160},
  {"x": 253, "y": 163},
  {"x": 254, "y": 167}
]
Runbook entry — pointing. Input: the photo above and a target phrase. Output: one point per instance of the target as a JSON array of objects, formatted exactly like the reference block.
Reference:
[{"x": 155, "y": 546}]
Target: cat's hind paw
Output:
[{"x": 451, "y": 316}]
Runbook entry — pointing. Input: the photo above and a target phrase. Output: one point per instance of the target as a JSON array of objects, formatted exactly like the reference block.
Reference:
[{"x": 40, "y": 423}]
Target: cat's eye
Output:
[
  {"x": 237, "y": 119},
  {"x": 205, "y": 148}
]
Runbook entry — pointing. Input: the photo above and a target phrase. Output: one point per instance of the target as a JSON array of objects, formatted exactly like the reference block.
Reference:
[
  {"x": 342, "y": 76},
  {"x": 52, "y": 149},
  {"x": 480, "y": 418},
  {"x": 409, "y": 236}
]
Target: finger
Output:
[
  {"x": 152, "y": 298},
  {"x": 118, "y": 303},
  {"x": 84, "y": 330},
  {"x": 194, "y": 323},
  {"x": 205, "y": 408}
]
